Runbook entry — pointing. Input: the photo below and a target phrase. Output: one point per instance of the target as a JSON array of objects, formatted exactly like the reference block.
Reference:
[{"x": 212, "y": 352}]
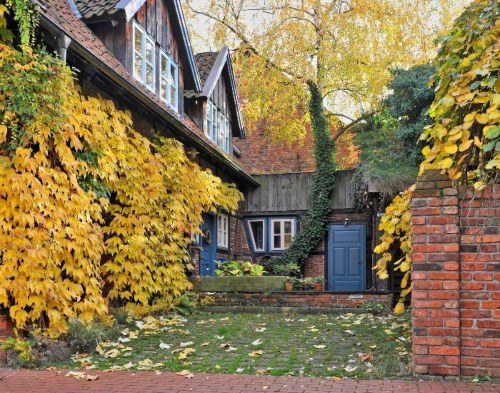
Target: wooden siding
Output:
[
  {"x": 291, "y": 192},
  {"x": 154, "y": 16}
]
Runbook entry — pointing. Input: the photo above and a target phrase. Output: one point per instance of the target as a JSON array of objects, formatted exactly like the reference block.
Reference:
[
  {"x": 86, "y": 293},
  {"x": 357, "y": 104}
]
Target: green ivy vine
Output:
[
  {"x": 313, "y": 228},
  {"x": 26, "y": 16}
]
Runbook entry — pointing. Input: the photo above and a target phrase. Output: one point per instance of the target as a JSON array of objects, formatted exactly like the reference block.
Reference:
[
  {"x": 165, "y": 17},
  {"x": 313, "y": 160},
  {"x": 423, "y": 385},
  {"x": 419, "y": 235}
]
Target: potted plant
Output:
[
  {"x": 297, "y": 283},
  {"x": 318, "y": 283},
  {"x": 289, "y": 284},
  {"x": 307, "y": 283}
]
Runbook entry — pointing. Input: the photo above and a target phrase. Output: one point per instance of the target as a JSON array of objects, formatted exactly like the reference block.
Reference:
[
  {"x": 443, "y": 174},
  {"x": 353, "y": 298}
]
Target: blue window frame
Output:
[{"x": 270, "y": 234}]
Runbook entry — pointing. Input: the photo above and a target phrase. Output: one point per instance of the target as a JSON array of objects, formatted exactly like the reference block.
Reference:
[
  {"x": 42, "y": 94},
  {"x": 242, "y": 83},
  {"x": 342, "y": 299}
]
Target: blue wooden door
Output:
[
  {"x": 208, "y": 244},
  {"x": 346, "y": 257}
]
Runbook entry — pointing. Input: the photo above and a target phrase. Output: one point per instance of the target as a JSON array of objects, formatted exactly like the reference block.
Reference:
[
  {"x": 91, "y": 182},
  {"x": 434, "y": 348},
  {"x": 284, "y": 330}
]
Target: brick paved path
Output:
[{"x": 22, "y": 381}]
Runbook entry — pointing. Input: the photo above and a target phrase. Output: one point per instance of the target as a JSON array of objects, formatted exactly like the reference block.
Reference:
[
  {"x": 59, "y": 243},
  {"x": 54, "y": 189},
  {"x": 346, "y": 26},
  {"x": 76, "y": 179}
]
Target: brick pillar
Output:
[
  {"x": 435, "y": 276},
  {"x": 6, "y": 327}
]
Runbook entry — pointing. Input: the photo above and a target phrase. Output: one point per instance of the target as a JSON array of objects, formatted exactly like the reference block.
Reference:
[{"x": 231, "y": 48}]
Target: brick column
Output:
[{"x": 435, "y": 276}]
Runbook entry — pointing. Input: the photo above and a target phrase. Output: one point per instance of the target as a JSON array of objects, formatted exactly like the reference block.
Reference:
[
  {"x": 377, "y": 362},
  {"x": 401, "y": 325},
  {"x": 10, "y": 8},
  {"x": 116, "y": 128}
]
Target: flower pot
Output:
[
  {"x": 318, "y": 287},
  {"x": 288, "y": 286}
]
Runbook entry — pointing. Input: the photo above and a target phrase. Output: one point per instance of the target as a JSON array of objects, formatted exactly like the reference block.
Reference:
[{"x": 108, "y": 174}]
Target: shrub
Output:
[
  {"x": 84, "y": 338},
  {"x": 239, "y": 268}
]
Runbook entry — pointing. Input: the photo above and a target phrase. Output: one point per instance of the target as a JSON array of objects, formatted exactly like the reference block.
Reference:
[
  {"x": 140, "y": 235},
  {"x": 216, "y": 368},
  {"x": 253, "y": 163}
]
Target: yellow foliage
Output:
[
  {"x": 88, "y": 203},
  {"x": 395, "y": 226},
  {"x": 465, "y": 139}
]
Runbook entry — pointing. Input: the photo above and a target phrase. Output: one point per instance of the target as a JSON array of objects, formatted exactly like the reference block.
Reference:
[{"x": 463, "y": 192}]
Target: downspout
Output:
[{"x": 63, "y": 42}]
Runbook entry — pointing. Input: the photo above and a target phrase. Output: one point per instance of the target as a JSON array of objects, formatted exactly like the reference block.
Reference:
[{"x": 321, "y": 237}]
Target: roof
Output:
[
  {"x": 205, "y": 62},
  {"x": 92, "y": 8},
  {"x": 210, "y": 67},
  {"x": 57, "y": 17}
]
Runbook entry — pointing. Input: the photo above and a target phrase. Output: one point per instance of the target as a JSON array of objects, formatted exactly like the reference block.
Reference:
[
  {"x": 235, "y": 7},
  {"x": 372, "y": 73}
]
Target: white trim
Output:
[
  {"x": 264, "y": 234},
  {"x": 222, "y": 231},
  {"x": 170, "y": 63},
  {"x": 145, "y": 62},
  {"x": 282, "y": 232}
]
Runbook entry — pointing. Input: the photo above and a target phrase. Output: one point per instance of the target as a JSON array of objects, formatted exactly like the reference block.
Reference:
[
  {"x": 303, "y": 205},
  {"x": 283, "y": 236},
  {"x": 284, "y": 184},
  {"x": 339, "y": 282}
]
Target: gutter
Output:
[{"x": 185, "y": 133}]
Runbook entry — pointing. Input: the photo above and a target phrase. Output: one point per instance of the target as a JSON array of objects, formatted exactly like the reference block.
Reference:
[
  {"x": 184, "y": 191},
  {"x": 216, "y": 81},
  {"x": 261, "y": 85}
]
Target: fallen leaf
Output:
[
  {"x": 256, "y": 354},
  {"x": 257, "y": 342},
  {"x": 262, "y": 371},
  {"x": 76, "y": 374},
  {"x": 320, "y": 346},
  {"x": 350, "y": 369},
  {"x": 186, "y": 344},
  {"x": 205, "y": 344},
  {"x": 112, "y": 353},
  {"x": 217, "y": 367},
  {"x": 227, "y": 347},
  {"x": 128, "y": 365},
  {"x": 365, "y": 357},
  {"x": 158, "y": 372},
  {"x": 373, "y": 346},
  {"x": 91, "y": 377},
  {"x": 240, "y": 370},
  {"x": 186, "y": 373},
  {"x": 350, "y": 332},
  {"x": 265, "y": 387},
  {"x": 99, "y": 349},
  {"x": 261, "y": 330},
  {"x": 124, "y": 339},
  {"x": 164, "y": 346},
  {"x": 50, "y": 368}
]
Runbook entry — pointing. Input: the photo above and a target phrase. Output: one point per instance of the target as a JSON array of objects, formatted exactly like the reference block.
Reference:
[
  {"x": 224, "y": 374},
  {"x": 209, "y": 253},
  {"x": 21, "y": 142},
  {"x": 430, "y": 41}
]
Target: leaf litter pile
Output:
[{"x": 333, "y": 346}]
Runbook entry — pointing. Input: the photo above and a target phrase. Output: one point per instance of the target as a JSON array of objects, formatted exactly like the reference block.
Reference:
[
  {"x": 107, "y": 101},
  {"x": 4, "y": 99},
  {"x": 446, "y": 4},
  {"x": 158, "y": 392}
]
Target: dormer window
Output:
[
  {"x": 144, "y": 57},
  {"x": 169, "y": 81},
  {"x": 218, "y": 126}
]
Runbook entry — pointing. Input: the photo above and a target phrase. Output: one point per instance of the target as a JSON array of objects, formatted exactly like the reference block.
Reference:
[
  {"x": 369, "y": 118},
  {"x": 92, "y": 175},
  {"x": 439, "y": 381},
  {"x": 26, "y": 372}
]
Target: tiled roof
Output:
[
  {"x": 205, "y": 62},
  {"x": 60, "y": 14},
  {"x": 93, "y": 8}
]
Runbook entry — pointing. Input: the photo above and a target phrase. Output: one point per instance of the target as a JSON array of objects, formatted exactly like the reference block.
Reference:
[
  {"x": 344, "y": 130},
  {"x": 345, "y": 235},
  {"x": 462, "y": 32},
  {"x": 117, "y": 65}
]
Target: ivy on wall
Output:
[{"x": 313, "y": 228}]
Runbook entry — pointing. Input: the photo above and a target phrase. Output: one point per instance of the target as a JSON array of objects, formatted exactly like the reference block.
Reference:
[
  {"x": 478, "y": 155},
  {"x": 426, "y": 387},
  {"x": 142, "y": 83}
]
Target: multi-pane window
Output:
[
  {"x": 222, "y": 231},
  {"x": 217, "y": 126},
  {"x": 282, "y": 233},
  {"x": 257, "y": 232},
  {"x": 169, "y": 81},
  {"x": 144, "y": 57}
]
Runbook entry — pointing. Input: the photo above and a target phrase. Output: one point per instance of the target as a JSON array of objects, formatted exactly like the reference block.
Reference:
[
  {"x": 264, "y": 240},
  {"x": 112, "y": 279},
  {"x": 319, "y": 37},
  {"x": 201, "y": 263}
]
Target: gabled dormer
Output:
[
  {"x": 220, "y": 116},
  {"x": 149, "y": 37}
]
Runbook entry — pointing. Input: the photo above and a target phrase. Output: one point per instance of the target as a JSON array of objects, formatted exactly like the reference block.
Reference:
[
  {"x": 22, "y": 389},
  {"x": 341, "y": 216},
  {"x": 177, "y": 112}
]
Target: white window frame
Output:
[
  {"x": 264, "y": 234},
  {"x": 165, "y": 95},
  {"x": 282, "y": 232},
  {"x": 222, "y": 231},
  {"x": 217, "y": 126},
  {"x": 144, "y": 61}
]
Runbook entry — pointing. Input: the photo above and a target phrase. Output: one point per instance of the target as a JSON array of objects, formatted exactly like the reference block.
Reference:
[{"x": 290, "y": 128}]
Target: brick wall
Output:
[
  {"x": 6, "y": 327},
  {"x": 455, "y": 275},
  {"x": 308, "y": 299}
]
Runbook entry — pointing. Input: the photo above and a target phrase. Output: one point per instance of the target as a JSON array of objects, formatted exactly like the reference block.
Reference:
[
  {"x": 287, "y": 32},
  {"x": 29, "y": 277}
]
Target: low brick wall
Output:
[
  {"x": 456, "y": 278},
  {"x": 305, "y": 299}
]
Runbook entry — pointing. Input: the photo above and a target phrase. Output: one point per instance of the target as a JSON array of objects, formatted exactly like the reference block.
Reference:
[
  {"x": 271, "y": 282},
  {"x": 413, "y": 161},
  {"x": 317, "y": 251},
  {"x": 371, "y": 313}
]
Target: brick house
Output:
[
  {"x": 138, "y": 54},
  {"x": 272, "y": 213}
]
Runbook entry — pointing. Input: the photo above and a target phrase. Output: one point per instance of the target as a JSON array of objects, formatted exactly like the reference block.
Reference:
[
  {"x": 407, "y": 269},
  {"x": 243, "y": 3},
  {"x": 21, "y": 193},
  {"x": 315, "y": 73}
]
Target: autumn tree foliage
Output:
[
  {"x": 90, "y": 210},
  {"x": 464, "y": 140}
]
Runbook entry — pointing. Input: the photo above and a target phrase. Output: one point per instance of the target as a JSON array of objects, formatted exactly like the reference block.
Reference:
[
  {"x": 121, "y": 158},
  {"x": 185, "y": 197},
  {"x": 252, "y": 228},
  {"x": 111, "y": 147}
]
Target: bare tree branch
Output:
[{"x": 346, "y": 128}]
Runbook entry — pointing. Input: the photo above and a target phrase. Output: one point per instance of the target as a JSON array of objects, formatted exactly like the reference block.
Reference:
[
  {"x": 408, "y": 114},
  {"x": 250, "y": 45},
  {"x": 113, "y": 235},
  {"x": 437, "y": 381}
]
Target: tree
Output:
[
  {"x": 464, "y": 140},
  {"x": 345, "y": 47}
]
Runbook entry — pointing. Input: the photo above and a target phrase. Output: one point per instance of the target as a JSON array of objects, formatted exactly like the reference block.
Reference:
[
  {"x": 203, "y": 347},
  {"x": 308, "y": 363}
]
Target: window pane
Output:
[
  {"x": 276, "y": 227},
  {"x": 257, "y": 228},
  {"x": 149, "y": 75},
  {"x": 288, "y": 227},
  {"x": 163, "y": 88},
  {"x": 288, "y": 240},
  {"x": 138, "y": 66},
  {"x": 138, "y": 40},
  {"x": 150, "y": 57},
  {"x": 277, "y": 242},
  {"x": 173, "y": 96},
  {"x": 164, "y": 64}
]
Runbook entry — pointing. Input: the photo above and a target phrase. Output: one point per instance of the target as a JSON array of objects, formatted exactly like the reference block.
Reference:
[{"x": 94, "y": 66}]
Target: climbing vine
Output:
[
  {"x": 26, "y": 15},
  {"x": 90, "y": 210},
  {"x": 464, "y": 141},
  {"x": 313, "y": 228}
]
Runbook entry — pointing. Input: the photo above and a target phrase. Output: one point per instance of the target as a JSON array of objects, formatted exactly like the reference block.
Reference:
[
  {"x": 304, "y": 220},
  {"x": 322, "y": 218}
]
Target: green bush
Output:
[
  {"x": 239, "y": 268},
  {"x": 82, "y": 338}
]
